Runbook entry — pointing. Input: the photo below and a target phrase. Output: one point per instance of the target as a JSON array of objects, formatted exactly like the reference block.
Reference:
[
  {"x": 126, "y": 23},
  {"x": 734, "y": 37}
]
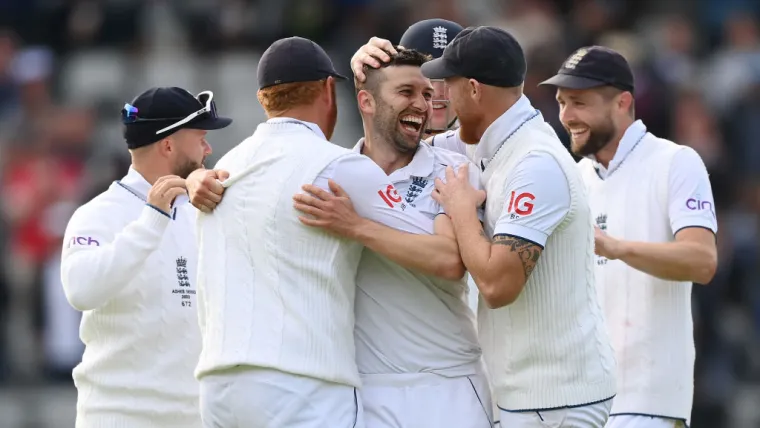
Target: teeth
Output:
[
  {"x": 438, "y": 106},
  {"x": 409, "y": 118}
]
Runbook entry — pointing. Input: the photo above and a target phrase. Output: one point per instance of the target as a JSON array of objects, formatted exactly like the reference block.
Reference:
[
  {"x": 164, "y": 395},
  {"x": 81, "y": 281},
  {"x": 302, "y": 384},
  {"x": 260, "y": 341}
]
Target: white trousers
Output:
[
  {"x": 253, "y": 397},
  {"x": 637, "y": 421},
  {"x": 591, "y": 416},
  {"x": 426, "y": 400}
]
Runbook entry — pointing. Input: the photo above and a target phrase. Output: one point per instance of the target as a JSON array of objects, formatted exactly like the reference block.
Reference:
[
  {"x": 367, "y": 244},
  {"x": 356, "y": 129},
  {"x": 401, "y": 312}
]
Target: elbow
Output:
[
  {"x": 705, "y": 271},
  {"x": 452, "y": 270},
  {"x": 497, "y": 295},
  {"x": 80, "y": 300}
]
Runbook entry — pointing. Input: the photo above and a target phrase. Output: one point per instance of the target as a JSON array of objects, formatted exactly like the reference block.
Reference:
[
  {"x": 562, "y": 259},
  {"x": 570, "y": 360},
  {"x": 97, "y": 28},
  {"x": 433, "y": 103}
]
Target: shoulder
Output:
[
  {"x": 447, "y": 156},
  {"x": 107, "y": 209}
]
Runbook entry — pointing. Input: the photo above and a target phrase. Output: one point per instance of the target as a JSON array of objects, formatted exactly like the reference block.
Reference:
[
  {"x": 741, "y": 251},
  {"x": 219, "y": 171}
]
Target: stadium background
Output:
[{"x": 67, "y": 67}]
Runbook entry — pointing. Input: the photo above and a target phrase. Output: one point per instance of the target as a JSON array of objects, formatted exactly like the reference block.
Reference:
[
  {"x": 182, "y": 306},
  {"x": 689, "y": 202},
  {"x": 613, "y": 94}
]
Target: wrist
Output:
[
  {"x": 360, "y": 230},
  {"x": 622, "y": 250}
]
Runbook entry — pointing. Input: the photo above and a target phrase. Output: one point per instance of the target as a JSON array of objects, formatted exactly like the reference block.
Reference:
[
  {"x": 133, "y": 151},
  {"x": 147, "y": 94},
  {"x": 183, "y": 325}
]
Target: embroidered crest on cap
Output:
[
  {"x": 575, "y": 58},
  {"x": 440, "y": 39}
]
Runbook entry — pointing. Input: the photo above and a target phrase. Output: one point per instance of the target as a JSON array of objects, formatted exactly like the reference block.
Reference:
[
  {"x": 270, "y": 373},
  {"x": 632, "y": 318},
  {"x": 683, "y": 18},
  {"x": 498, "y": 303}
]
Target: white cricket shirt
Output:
[
  {"x": 274, "y": 292},
  {"x": 408, "y": 322},
  {"x": 652, "y": 189},
  {"x": 130, "y": 269}
]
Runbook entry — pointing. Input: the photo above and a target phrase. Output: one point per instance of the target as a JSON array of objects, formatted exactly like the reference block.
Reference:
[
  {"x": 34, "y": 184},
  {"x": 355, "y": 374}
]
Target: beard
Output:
[
  {"x": 386, "y": 123},
  {"x": 187, "y": 166},
  {"x": 598, "y": 137}
]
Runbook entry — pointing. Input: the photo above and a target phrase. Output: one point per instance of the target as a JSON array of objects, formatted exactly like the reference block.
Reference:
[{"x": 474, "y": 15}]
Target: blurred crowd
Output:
[{"x": 67, "y": 67}]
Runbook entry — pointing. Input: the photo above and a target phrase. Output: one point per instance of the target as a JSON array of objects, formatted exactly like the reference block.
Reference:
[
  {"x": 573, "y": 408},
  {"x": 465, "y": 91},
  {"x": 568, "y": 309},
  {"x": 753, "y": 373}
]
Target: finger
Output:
[
  {"x": 336, "y": 189},
  {"x": 438, "y": 184},
  {"x": 170, "y": 182},
  {"x": 205, "y": 201},
  {"x": 369, "y": 60},
  {"x": 462, "y": 171},
  {"x": 172, "y": 193},
  {"x": 436, "y": 195},
  {"x": 450, "y": 175},
  {"x": 212, "y": 185},
  {"x": 318, "y": 192},
  {"x": 204, "y": 195},
  {"x": 308, "y": 209},
  {"x": 357, "y": 68},
  {"x": 383, "y": 44},
  {"x": 311, "y": 222},
  {"x": 222, "y": 174},
  {"x": 309, "y": 200},
  {"x": 379, "y": 54}
]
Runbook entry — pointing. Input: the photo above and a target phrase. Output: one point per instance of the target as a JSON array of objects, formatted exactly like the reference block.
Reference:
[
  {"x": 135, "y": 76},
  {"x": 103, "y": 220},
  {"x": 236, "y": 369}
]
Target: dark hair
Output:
[{"x": 404, "y": 57}]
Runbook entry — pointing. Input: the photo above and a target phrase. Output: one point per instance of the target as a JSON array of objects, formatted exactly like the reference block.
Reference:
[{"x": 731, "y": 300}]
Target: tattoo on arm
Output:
[{"x": 528, "y": 251}]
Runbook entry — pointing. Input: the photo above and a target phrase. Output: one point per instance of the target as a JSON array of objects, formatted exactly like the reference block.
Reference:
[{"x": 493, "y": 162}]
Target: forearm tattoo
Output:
[{"x": 527, "y": 251}]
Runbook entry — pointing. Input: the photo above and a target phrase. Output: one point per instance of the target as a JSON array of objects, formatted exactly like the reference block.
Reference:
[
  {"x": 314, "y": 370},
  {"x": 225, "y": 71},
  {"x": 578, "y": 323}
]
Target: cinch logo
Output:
[
  {"x": 696, "y": 204},
  {"x": 83, "y": 240},
  {"x": 519, "y": 205},
  {"x": 390, "y": 196}
]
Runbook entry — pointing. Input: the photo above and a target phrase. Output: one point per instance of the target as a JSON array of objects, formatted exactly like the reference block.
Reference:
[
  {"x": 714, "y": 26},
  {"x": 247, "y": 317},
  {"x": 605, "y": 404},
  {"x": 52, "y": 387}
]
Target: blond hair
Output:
[{"x": 280, "y": 98}]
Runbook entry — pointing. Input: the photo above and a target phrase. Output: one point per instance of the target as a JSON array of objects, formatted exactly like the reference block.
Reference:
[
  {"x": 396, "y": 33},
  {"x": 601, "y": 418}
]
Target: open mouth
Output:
[
  {"x": 412, "y": 124},
  {"x": 578, "y": 133},
  {"x": 439, "y": 106}
]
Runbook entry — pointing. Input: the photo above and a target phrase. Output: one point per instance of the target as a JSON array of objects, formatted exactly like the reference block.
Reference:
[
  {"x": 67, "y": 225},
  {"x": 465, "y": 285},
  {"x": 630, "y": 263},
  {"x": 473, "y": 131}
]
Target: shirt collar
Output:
[
  {"x": 422, "y": 164},
  {"x": 505, "y": 125},
  {"x": 136, "y": 184},
  {"x": 631, "y": 137},
  {"x": 313, "y": 126}
]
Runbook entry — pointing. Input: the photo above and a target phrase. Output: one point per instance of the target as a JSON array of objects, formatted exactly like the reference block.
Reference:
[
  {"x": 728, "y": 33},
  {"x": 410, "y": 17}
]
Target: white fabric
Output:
[
  {"x": 637, "y": 421},
  {"x": 538, "y": 199},
  {"x": 261, "y": 398},
  {"x": 643, "y": 199},
  {"x": 408, "y": 322},
  {"x": 549, "y": 348},
  {"x": 131, "y": 270},
  {"x": 426, "y": 400},
  {"x": 590, "y": 416},
  {"x": 274, "y": 292}
]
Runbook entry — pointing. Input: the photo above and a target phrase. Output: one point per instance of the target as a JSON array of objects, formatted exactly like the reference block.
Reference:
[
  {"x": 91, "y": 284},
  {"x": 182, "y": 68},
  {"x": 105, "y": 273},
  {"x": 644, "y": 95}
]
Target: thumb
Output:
[
  {"x": 222, "y": 174},
  {"x": 336, "y": 189}
]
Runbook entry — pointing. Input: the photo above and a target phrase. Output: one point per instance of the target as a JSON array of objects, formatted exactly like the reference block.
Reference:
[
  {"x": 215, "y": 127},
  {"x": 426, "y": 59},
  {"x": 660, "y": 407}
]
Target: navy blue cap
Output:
[
  {"x": 489, "y": 55},
  {"x": 430, "y": 36},
  {"x": 294, "y": 59},
  {"x": 158, "y": 108},
  {"x": 591, "y": 67}
]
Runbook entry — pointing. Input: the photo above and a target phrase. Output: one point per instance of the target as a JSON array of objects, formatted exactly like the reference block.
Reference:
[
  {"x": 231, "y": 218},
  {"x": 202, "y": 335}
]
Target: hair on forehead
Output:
[{"x": 375, "y": 76}]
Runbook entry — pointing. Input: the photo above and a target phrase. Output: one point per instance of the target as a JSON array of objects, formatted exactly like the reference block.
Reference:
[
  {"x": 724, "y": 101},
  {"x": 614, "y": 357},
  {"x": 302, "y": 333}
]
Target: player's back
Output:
[{"x": 273, "y": 292}]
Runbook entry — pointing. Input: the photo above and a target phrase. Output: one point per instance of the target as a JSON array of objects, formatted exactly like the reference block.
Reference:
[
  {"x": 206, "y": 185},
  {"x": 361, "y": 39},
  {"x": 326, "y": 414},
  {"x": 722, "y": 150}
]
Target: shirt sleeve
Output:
[
  {"x": 690, "y": 197},
  {"x": 372, "y": 193},
  {"x": 473, "y": 173},
  {"x": 538, "y": 199},
  {"x": 449, "y": 140},
  {"x": 99, "y": 258}
]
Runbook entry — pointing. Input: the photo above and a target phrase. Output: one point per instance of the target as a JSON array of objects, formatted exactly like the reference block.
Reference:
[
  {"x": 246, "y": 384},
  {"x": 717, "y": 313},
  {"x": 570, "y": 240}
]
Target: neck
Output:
[
  {"x": 150, "y": 169},
  {"x": 607, "y": 153},
  {"x": 307, "y": 114},
  {"x": 381, "y": 151},
  {"x": 496, "y": 108}
]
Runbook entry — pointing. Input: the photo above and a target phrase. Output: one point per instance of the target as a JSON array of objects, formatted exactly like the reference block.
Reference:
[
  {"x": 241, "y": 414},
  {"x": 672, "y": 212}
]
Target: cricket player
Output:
[
  {"x": 655, "y": 235},
  {"x": 128, "y": 264},
  {"x": 277, "y": 296},
  {"x": 430, "y": 37},
  {"x": 417, "y": 348},
  {"x": 540, "y": 323}
]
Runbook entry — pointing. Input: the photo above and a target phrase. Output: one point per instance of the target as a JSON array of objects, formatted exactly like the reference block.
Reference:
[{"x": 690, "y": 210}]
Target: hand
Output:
[
  {"x": 457, "y": 193},
  {"x": 606, "y": 246},
  {"x": 205, "y": 189},
  {"x": 376, "y": 49},
  {"x": 165, "y": 190},
  {"x": 331, "y": 211}
]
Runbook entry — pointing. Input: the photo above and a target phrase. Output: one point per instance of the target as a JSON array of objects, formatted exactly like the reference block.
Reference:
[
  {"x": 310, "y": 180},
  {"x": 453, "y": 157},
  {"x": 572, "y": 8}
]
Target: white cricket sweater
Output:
[
  {"x": 131, "y": 270},
  {"x": 649, "y": 319},
  {"x": 549, "y": 348},
  {"x": 275, "y": 293}
]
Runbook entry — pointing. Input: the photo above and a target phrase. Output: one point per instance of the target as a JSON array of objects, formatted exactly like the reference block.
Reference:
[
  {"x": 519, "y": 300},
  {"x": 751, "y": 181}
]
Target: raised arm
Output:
[
  {"x": 99, "y": 260},
  {"x": 537, "y": 202},
  {"x": 365, "y": 206},
  {"x": 692, "y": 256}
]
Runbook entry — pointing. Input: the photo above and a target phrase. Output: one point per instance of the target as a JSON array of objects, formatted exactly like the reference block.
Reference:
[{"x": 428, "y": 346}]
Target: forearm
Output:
[
  {"x": 92, "y": 277},
  {"x": 434, "y": 255},
  {"x": 673, "y": 261},
  {"x": 474, "y": 245}
]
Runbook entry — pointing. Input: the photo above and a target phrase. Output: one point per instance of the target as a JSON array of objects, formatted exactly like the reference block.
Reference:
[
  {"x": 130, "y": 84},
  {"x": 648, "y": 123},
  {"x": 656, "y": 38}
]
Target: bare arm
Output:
[
  {"x": 436, "y": 255},
  {"x": 693, "y": 256}
]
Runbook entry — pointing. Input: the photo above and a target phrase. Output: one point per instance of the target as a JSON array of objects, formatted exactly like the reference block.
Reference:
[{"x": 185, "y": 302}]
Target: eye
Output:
[
  {"x": 406, "y": 92},
  {"x": 428, "y": 95}
]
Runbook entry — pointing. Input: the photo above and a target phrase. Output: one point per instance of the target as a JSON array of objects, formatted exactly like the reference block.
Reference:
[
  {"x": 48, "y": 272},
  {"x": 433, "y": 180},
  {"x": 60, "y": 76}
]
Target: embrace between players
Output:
[{"x": 368, "y": 325}]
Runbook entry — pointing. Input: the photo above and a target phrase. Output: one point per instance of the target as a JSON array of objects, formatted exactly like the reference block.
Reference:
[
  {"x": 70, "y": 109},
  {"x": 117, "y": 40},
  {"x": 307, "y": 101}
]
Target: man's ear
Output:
[
  {"x": 474, "y": 89},
  {"x": 366, "y": 102}
]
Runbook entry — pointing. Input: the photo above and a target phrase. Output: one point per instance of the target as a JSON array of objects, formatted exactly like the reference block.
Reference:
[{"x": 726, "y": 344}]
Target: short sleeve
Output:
[
  {"x": 373, "y": 195},
  {"x": 690, "y": 197},
  {"x": 538, "y": 199}
]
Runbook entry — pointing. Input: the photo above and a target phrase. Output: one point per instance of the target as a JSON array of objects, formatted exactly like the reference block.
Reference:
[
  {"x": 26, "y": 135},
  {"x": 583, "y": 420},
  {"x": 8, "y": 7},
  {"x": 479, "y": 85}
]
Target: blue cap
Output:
[
  {"x": 294, "y": 59},
  {"x": 591, "y": 67},
  {"x": 430, "y": 36}
]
